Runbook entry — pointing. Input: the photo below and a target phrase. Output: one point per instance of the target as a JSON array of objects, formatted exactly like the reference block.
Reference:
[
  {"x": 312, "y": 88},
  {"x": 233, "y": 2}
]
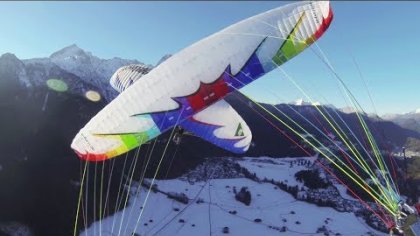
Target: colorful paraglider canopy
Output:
[
  {"x": 188, "y": 88},
  {"x": 93, "y": 96},
  {"x": 57, "y": 85}
]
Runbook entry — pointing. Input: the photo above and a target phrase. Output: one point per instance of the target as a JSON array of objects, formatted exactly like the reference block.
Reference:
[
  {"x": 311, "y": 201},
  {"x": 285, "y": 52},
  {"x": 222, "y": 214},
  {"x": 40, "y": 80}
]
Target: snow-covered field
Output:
[
  {"x": 283, "y": 169},
  {"x": 14, "y": 229},
  {"x": 213, "y": 210},
  {"x": 343, "y": 192}
]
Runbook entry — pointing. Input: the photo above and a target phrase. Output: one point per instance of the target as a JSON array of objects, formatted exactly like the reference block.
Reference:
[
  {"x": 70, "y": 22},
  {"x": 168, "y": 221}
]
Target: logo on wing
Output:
[{"x": 239, "y": 131}]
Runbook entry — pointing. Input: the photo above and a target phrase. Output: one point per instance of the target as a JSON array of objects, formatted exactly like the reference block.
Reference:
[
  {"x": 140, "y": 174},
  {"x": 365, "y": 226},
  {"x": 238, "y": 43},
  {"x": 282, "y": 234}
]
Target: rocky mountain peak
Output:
[
  {"x": 11, "y": 69},
  {"x": 70, "y": 51},
  {"x": 10, "y": 57}
]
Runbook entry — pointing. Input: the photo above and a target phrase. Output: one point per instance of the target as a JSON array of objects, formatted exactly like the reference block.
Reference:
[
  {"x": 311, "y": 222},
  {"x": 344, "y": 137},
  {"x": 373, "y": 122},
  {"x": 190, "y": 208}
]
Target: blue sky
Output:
[{"x": 382, "y": 37}]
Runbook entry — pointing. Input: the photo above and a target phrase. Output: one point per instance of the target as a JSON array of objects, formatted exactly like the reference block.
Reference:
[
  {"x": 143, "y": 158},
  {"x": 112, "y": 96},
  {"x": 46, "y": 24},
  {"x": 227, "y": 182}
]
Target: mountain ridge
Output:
[{"x": 71, "y": 61}]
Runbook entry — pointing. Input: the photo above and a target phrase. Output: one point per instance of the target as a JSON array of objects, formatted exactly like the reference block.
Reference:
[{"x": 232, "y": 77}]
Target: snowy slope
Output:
[
  {"x": 71, "y": 61},
  {"x": 212, "y": 207},
  {"x": 87, "y": 66},
  {"x": 14, "y": 229},
  {"x": 410, "y": 120},
  {"x": 277, "y": 169}
]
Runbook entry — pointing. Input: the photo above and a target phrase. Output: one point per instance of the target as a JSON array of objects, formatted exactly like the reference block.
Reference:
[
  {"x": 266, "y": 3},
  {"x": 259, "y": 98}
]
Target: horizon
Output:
[
  {"x": 302, "y": 100},
  {"x": 382, "y": 58}
]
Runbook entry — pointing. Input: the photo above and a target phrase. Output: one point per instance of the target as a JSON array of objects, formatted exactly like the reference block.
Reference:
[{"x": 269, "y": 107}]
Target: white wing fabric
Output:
[{"x": 199, "y": 76}]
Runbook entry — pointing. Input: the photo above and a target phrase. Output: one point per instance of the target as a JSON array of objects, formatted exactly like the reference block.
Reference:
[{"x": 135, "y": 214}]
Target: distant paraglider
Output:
[{"x": 127, "y": 75}]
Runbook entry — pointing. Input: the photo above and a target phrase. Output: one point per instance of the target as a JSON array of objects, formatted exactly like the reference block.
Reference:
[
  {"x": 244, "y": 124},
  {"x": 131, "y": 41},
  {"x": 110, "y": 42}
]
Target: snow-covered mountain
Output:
[
  {"x": 205, "y": 201},
  {"x": 391, "y": 116},
  {"x": 302, "y": 102},
  {"x": 410, "y": 120},
  {"x": 348, "y": 110},
  {"x": 12, "y": 71},
  {"x": 88, "y": 67},
  {"x": 70, "y": 62}
]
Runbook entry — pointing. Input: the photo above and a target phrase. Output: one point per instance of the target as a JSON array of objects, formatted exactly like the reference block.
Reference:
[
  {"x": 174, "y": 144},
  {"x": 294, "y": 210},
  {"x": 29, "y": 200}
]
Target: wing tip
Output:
[{"x": 91, "y": 156}]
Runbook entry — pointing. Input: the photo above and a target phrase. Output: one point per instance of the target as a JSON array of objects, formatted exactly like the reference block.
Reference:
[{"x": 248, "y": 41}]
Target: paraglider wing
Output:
[
  {"x": 221, "y": 125},
  {"x": 127, "y": 75},
  {"x": 197, "y": 77}
]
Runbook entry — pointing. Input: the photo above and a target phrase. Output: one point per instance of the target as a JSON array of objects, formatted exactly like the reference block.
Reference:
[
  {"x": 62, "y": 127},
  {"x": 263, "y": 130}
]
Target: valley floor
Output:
[{"x": 213, "y": 210}]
